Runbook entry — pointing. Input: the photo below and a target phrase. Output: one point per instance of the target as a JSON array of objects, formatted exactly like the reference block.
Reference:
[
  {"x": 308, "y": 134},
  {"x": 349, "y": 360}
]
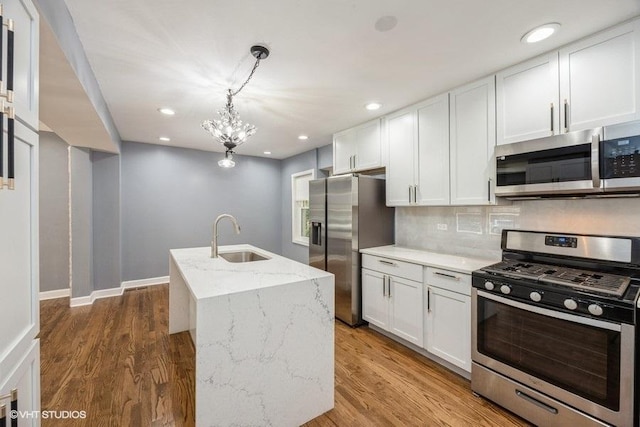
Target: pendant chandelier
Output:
[{"x": 229, "y": 130}]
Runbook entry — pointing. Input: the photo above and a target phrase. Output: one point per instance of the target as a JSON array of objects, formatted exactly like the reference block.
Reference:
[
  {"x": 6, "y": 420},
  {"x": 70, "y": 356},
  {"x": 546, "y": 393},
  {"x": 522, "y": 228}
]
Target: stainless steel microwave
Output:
[{"x": 567, "y": 164}]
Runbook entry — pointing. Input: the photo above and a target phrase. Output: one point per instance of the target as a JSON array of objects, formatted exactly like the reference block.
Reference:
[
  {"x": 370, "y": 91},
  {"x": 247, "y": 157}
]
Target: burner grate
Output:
[{"x": 609, "y": 284}]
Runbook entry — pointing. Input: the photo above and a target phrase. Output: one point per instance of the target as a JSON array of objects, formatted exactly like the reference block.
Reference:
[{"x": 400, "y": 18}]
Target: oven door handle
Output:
[{"x": 552, "y": 313}]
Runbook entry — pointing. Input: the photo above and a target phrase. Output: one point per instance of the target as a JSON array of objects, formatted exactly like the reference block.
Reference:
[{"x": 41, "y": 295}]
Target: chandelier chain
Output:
[{"x": 253, "y": 70}]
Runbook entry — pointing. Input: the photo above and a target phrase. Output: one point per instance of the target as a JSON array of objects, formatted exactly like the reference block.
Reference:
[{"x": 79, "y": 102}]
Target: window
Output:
[{"x": 300, "y": 225}]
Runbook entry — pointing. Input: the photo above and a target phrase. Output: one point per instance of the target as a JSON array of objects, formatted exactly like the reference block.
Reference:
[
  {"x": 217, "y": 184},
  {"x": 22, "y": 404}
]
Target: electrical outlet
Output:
[{"x": 442, "y": 227}]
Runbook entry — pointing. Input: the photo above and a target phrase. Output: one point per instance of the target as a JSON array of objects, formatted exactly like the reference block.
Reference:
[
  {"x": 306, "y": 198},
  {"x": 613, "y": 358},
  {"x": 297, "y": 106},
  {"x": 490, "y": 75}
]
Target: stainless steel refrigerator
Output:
[{"x": 347, "y": 213}]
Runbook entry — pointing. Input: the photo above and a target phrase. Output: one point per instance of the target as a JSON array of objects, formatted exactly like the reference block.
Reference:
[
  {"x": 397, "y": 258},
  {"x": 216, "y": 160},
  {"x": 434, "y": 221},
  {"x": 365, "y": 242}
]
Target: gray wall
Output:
[
  {"x": 106, "y": 220},
  {"x": 54, "y": 212},
  {"x": 475, "y": 231},
  {"x": 81, "y": 222},
  {"x": 171, "y": 196},
  {"x": 325, "y": 157},
  {"x": 301, "y": 162}
]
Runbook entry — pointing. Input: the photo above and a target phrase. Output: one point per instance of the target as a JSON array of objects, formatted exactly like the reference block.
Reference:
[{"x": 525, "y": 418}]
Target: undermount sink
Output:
[{"x": 242, "y": 256}]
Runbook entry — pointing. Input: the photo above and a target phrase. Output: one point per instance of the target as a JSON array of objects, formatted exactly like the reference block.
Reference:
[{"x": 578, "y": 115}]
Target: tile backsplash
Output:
[{"x": 475, "y": 230}]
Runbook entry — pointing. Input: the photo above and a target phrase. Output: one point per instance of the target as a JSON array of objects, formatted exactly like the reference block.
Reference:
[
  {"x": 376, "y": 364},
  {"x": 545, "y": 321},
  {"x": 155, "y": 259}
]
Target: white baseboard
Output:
[
  {"x": 101, "y": 293},
  {"x": 130, "y": 284},
  {"x": 114, "y": 292},
  {"x": 58, "y": 293}
]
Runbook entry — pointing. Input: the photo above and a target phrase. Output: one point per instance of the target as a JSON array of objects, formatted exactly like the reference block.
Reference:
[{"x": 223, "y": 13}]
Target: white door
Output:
[
  {"x": 375, "y": 304},
  {"x": 433, "y": 152},
  {"x": 406, "y": 309},
  {"x": 343, "y": 151},
  {"x": 528, "y": 100},
  {"x": 600, "y": 79},
  {"x": 368, "y": 146},
  {"x": 472, "y": 143},
  {"x": 448, "y": 326},
  {"x": 401, "y": 158}
]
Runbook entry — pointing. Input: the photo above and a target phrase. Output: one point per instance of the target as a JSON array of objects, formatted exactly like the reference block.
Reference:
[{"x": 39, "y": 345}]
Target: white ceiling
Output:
[
  {"x": 327, "y": 59},
  {"x": 65, "y": 107}
]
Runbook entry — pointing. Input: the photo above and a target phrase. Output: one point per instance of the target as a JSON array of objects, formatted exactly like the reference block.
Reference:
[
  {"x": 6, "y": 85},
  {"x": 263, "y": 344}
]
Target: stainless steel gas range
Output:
[{"x": 554, "y": 328}]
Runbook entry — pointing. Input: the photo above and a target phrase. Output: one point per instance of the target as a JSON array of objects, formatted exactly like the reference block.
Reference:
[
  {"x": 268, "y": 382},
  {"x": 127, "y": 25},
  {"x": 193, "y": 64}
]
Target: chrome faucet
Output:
[{"x": 214, "y": 242}]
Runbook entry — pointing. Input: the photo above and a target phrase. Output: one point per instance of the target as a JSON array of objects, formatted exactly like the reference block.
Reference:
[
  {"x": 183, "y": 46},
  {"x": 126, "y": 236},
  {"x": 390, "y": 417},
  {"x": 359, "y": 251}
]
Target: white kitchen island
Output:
[{"x": 263, "y": 333}]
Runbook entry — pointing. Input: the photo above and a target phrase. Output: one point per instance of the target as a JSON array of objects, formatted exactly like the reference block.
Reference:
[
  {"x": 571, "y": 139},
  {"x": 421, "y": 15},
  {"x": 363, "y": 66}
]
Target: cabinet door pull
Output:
[
  {"x": 409, "y": 194},
  {"x": 428, "y": 300},
  {"x": 566, "y": 116},
  {"x": 450, "y": 276},
  {"x": 355, "y": 159},
  {"x": 388, "y": 286},
  {"x": 14, "y": 407},
  {"x": 415, "y": 194},
  {"x": 384, "y": 285},
  {"x": 552, "y": 117},
  {"x": 384, "y": 261},
  {"x": 489, "y": 190},
  {"x": 1, "y": 140},
  {"x": 11, "y": 138}
]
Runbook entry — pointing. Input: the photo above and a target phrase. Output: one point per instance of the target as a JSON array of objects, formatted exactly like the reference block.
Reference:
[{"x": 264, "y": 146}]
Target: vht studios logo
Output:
[{"x": 57, "y": 415}]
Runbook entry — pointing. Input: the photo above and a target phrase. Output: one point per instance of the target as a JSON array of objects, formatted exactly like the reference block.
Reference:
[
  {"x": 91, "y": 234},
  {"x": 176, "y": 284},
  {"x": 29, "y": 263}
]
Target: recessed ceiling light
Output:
[
  {"x": 373, "y": 106},
  {"x": 386, "y": 23},
  {"x": 164, "y": 138},
  {"x": 540, "y": 33},
  {"x": 167, "y": 111},
  {"x": 267, "y": 152},
  {"x": 303, "y": 137}
]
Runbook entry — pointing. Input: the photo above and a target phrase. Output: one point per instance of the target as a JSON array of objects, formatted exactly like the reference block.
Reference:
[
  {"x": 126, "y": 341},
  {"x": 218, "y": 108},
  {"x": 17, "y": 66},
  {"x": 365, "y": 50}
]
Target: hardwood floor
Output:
[{"x": 116, "y": 361}]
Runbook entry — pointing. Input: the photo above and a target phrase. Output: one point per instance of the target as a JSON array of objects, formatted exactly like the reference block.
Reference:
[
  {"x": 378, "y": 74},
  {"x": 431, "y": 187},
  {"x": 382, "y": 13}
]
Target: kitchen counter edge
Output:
[{"x": 460, "y": 264}]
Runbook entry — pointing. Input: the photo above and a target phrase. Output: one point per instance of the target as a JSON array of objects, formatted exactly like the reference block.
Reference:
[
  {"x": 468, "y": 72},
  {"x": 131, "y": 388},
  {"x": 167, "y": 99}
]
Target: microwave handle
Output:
[{"x": 595, "y": 159}]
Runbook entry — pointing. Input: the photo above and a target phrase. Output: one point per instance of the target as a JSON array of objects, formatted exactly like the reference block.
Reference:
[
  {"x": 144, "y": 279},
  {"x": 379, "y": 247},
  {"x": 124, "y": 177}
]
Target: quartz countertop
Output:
[
  {"x": 430, "y": 259},
  {"x": 210, "y": 277}
]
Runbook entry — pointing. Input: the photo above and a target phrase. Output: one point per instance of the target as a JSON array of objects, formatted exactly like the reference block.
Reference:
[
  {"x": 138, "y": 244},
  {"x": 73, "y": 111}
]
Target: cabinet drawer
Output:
[
  {"x": 393, "y": 267},
  {"x": 450, "y": 280}
]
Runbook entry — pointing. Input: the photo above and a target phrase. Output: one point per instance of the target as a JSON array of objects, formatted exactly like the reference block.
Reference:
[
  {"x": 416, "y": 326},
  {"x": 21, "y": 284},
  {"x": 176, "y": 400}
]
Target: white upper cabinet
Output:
[
  {"x": 600, "y": 79},
  {"x": 343, "y": 149},
  {"x": 418, "y": 158},
  {"x": 26, "y": 60},
  {"x": 358, "y": 149},
  {"x": 594, "y": 82},
  {"x": 472, "y": 143},
  {"x": 528, "y": 100},
  {"x": 433, "y": 152},
  {"x": 401, "y": 157}
]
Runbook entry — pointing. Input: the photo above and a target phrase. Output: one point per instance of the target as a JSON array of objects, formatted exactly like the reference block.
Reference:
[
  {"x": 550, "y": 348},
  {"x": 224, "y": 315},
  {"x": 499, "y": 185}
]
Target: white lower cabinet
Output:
[
  {"x": 24, "y": 378},
  {"x": 447, "y": 318},
  {"x": 375, "y": 305},
  {"x": 393, "y": 303},
  {"x": 426, "y": 306}
]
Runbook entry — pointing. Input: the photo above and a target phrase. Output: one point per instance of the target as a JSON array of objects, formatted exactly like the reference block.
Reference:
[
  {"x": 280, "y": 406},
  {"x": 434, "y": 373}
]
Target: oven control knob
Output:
[
  {"x": 595, "y": 309},
  {"x": 570, "y": 304},
  {"x": 489, "y": 286},
  {"x": 535, "y": 296},
  {"x": 505, "y": 289}
]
